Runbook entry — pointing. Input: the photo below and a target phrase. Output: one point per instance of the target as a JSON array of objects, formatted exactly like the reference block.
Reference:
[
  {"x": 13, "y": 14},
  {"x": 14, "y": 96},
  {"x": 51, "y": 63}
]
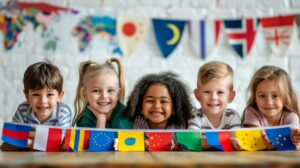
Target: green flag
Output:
[{"x": 190, "y": 140}]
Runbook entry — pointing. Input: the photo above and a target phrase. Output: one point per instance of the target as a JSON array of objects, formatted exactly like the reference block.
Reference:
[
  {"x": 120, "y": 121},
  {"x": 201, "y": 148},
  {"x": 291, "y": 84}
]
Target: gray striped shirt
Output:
[
  {"x": 230, "y": 119},
  {"x": 61, "y": 115}
]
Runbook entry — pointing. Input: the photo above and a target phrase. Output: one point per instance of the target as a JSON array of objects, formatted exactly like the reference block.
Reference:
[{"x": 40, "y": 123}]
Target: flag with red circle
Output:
[{"x": 130, "y": 32}]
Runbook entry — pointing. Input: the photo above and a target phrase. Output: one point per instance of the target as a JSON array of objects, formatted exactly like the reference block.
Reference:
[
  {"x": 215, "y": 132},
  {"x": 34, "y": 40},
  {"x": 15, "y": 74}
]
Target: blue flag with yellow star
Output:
[
  {"x": 101, "y": 141},
  {"x": 281, "y": 138}
]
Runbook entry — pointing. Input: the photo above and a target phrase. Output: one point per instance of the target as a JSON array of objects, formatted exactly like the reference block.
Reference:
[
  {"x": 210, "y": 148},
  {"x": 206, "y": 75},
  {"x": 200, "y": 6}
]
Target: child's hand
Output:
[
  {"x": 116, "y": 145},
  {"x": 235, "y": 144},
  {"x": 295, "y": 136},
  {"x": 30, "y": 139},
  {"x": 268, "y": 144}
]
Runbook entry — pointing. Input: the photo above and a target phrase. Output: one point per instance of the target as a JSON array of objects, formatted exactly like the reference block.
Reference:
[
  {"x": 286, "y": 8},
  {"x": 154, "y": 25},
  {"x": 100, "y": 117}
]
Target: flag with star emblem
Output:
[
  {"x": 131, "y": 141},
  {"x": 159, "y": 141},
  {"x": 281, "y": 138},
  {"x": 250, "y": 140},
  {"x": 189, "y": 140},
  {"x": 101, "y": 141}
]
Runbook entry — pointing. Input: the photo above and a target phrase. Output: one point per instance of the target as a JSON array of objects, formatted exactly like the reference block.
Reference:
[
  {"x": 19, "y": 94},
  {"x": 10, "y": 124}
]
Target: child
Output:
[
  {"x": 43, "y": 89},
  {"x": 99, "y": 91},
  {"x": 214, "y": 91},
  {"x": 272, "y": 101},
  {"x": 159, "y": 101}
]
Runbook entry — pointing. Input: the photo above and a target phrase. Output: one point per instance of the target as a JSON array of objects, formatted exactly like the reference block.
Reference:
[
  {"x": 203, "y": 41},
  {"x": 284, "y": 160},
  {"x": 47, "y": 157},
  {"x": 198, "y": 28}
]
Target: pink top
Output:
[{"x": 256, "y": 118}]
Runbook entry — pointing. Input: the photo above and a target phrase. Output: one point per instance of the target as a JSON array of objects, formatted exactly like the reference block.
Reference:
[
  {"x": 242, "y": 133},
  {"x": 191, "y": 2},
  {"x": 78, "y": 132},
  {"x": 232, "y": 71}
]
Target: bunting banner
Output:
[
  {"x": 219, "y": 140},
  {"x": 47, "y": 139},
  {"x": 189, "y": 140},
  {"x": 204, "y": 36},
  {"x": 131, "y": 141},
  {"x": 131, "y": 31},
  {"x": 278, "y": 31},
  {"x": 168, "y": 34},
  {"x": 101, "y": 141},
  {"x": 16, "y": 135},
  {"x": 250, "y": 140},
  {"x": 160, "y": 141},
  {"x": 281, "y": 138},
  {"x": 241, "y": 34},
  {"x": 77, "y": 140}
]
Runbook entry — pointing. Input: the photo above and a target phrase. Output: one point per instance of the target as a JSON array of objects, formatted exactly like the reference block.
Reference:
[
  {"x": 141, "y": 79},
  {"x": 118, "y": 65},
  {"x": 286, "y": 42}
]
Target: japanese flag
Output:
[
  {"x": 130, "y": 32},
  {"x": 47, "y": 139}
]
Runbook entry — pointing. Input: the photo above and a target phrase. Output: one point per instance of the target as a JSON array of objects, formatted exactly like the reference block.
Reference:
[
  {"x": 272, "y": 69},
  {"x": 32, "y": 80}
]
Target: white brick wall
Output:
[{"x": 147, "y": 57}]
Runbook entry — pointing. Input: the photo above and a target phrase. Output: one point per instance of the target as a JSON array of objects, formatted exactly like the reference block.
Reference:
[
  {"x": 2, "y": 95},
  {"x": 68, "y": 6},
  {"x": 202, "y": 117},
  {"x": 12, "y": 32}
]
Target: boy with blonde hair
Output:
[{"x": 214, "y": 91}]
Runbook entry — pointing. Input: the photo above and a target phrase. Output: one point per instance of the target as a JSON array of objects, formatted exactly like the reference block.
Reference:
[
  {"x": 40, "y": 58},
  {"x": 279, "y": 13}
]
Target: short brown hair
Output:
[
  {"x": 212, "y": 70},
  {"x": 42, "y": 74}
]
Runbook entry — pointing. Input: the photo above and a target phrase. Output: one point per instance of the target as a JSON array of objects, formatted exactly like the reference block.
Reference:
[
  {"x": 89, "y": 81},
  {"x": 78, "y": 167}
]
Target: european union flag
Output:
[
  {"x": 15, "y": 134},
  {"x": 101, "y": 141},
  {"x": 281, "y": 138}
]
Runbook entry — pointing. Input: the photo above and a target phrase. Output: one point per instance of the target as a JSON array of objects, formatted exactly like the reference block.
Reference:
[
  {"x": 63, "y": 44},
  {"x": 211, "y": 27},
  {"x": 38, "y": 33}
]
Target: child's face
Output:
[
  {"x": 268, "y": 99},
  {"x": 157, "y": 106},
  {"x": 215, "y": 95},
  {"x": 43, "y": 102},
  {"x": 102, "y": 93}
]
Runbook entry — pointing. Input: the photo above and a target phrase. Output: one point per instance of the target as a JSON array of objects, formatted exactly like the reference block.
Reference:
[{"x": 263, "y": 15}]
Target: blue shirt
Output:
[{"x": 61, "y": 116}]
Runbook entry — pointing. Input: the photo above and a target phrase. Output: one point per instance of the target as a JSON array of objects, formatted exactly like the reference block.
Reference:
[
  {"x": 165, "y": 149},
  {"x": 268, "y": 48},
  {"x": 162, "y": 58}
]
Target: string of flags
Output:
[
  {"x": 50, "y": 138},
  {"x": 125, "y": 33}
]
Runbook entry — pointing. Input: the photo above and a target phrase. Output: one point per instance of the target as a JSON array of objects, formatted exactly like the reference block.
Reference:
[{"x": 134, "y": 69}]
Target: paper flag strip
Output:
[
  {"x": 77, "y": 140},
  {"x": 281, "y": 138},
  {"x": 250, "y": 140},
  {"x": 16, "y": 135},
  {"x": 189, "y": 140},
  {"x": 47, "y": 139},
  {"x": 101, "y": 141},
  {"x": 159, "y": 141},
  {"x": 219, "y": 140},
  {"x": 131, "y": 141}
]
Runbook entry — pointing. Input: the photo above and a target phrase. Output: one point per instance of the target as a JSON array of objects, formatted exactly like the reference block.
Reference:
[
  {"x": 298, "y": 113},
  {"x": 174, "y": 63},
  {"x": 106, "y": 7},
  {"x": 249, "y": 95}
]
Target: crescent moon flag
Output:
[
  {"x": 277, "y": 31},
  {"x": 131, "y": 31},
  {"x": 241, "y": 34},
  {"x": 168, "y": 34}
]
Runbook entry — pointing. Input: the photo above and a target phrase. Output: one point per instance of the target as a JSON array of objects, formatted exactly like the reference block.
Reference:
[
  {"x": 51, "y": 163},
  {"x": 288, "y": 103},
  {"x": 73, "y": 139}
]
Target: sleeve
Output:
[
  {"x": 194, "y": 123},
  {"x": 251, "y": 118},
  {"x": 292, "y": 119},
  {"x": 85, "y": 122},
  {"x": 235, "y": 120},
  {"x": 17, "y": 118},
  {"x": 64, "y": 119}
]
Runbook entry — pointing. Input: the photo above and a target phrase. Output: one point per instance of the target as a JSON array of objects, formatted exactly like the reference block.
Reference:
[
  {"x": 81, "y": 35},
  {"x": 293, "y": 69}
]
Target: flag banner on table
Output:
[
  {"x": 16, "y": 135},
  {"x": 168, "y": 34},
  {"x": 101, "y": 141},
  {"x": 77, "y": 140},
  {"x": 250, "y": 140},
  {"x": 131, "y": 31},
  {"x": 204, "y": 35},
  {"x": 220, "y": 140},
  {"x": 278, "y": 31},
  {"x": 241, "y": 34},
  {"x": 189, "y": 140},
  {"x": 131, "y": 141},
  {"x": 47, "y": 139},
  {"x": 280, "y": 138},
  {"x": 160, "y": 141}
]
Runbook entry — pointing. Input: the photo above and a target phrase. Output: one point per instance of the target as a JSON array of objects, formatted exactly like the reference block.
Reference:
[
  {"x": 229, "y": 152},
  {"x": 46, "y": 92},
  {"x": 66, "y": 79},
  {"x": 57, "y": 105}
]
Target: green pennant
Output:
[{"x": 190, "y": 140}]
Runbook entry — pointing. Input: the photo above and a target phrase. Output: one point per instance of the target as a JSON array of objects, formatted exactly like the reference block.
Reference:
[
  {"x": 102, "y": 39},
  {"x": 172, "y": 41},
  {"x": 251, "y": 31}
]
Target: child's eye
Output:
[
  {"x": 111, "y": 90},
  {"x": 96, "y": 91},
  {"x": 206, "y": 91},
  {"x": 50, "y": 94},
  {"x": 149, "y": 100},
  {"x": 35, "y": 94},
  {"x": 164, "y": 102},
  {"x": 220, "y": 92},
  {"x": 261, "y": 96},
  {"x": 274, "y": 96}
]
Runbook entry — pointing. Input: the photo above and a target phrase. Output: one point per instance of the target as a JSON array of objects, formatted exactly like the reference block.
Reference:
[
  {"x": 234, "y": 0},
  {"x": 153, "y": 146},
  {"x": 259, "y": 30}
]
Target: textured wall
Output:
[{"x": 147, "y": 58}]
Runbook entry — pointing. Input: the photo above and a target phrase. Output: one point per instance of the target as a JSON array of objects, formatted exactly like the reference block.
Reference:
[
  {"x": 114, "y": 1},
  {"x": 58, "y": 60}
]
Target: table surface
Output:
[{"x": 150, "y": 159}]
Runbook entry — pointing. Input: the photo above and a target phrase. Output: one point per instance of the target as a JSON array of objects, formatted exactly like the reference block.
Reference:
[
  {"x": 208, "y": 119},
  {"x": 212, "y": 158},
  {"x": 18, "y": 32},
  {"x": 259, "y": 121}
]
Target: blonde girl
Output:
[
  {"x": 272, "y": 101},
  {"x": 99, "y": 95}
]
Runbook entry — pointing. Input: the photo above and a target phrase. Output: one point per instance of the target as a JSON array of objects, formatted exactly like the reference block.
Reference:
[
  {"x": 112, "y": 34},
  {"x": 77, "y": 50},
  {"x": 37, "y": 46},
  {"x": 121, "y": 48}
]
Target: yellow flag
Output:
[
  {"x": 131, "y": 141},
  {"x": 250, "y": 140}
]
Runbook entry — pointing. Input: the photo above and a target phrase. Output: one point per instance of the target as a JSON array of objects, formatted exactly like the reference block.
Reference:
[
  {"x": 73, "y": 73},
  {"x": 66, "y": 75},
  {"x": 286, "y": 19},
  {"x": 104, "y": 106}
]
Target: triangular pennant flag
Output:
[
  {"x": 131, "y": 31},
  {"x": 77, "y": 140},
  {"x": 101, "y": 141},
  {"x": 189, "y": 140},
  {"x": 160, "y": 141},
  {"x": 16, "y": 135},
  {"x": 131, "y": 141},
  {"x": 250, "y": 140},
  {"x": 168, "y": 34},
  {"x": 219, "y": 140},
  {"x": 241, "y": 34},
  {"x": 277, "y": 31},
  {"x": 47, "y": 139},
  {"x": 280, "y": 138},
  {"x": 204, "y": 35},
  {"x": 14, "y": 26}
]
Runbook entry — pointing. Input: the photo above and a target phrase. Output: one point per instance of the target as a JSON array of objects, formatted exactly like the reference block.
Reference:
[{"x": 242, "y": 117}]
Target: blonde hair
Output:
[
  {"x": 283, "y": 82},
  {"x": 213, "y": 70},
  {"x": 88, "y": 69}
]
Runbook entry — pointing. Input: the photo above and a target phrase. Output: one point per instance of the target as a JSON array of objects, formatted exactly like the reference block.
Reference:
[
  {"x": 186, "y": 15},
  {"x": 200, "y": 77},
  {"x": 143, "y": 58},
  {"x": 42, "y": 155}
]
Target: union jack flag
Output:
[
  {"x": 277, "y": 31},
  {"x": 241, "y": 34}
]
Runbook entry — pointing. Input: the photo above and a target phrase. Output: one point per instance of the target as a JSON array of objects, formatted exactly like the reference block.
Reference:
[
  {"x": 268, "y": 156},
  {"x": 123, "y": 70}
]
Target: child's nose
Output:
[
  {"x": 269, "y": 100},
  {"x": 43, "y": 99},
  {"x": 157, "y": 104}
]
